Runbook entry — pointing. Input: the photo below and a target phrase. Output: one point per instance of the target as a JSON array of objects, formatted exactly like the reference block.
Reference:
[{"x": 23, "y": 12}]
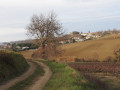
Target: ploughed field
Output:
[
  {"x": 106, "y": 75},
  {"x": 97, "y": 67}
]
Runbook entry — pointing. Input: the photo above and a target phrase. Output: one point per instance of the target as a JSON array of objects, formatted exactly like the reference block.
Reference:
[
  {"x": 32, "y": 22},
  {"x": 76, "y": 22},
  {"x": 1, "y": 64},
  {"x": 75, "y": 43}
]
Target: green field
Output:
[{"x": 100, "y": 49}]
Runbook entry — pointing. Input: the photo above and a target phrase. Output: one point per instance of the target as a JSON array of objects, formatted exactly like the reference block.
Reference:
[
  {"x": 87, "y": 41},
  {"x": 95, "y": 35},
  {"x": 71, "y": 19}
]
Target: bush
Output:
[
  {"x": 110, "y": 59},
  {"x": 79, "y": 60}
]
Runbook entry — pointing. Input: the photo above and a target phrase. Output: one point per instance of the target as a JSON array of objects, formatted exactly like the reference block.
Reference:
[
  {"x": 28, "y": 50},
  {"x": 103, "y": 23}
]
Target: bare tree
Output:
[{"x": 45, "y": 29}]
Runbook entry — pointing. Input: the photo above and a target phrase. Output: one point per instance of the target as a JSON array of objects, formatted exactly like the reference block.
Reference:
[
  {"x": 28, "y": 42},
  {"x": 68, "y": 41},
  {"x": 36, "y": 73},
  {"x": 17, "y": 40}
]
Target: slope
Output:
[{"x": 100, "y": 49}]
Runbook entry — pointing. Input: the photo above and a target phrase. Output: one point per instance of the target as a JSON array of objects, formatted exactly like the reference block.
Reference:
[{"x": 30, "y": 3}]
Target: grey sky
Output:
[{"x": 79, "y": 15}]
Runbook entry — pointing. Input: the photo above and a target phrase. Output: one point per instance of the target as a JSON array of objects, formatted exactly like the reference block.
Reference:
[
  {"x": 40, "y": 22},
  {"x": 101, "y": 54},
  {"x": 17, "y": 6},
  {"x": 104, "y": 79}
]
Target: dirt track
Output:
[
  {"x": 42, "y": 80},
  {"x": 38, "y": 85},
  {"x": 12, "y": 82}
]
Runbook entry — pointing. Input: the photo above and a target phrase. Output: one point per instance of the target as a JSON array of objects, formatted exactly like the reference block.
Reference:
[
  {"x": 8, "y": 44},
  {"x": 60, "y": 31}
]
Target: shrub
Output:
[
  {"x": 110, "y": 59},
  {"x": 79, "y": 60}
]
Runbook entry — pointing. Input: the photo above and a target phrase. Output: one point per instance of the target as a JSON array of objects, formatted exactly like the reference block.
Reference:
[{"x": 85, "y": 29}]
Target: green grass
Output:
[
  {"x": 66, "y": 78},
  {"x": 11, "y": 65},
  {"x": 29, "y": 81}
]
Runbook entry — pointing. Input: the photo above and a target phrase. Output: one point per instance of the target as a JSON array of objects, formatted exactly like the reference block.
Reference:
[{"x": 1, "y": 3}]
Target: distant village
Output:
[
  {"x": 76, "y": 36},
  {"x": 72, "y": 37},
  {"x": 19, "y": 45}
]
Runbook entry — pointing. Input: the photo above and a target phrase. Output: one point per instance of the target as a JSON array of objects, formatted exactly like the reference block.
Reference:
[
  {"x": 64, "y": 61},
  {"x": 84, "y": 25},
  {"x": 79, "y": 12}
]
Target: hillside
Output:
[
  {"x": 112, "y": 36},
  {"x": 100, "y": 49},
  {"x": 11, "y": 65}
]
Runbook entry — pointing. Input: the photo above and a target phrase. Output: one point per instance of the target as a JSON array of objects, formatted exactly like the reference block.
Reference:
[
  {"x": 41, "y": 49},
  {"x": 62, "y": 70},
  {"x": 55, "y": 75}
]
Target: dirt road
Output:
[
  {"x": 42, "y": 80},
  {"x": 12, "y": 82},
  {"x": 37, "y": 85}
]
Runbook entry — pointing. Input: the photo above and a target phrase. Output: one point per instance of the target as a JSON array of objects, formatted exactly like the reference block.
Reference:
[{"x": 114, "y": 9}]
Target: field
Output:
[
  {"x": 102, "y": 75},
  {"x": 101, "y": 50},
  {"x": 93, "y": 75},
  {"x": 113, "y": 68},
  {"x": 92, "y": 49},
  {"x": 106, "y": 75}
]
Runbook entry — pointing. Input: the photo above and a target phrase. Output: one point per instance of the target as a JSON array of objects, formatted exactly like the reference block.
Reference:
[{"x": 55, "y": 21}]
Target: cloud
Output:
[
  {"x": 13, "y": 37},
  {"x": 65, "y": 3},
  {"x": 10, "y": 31},
  {"x": 16, "y": 14},
  {"x": 12, "y": 34}
]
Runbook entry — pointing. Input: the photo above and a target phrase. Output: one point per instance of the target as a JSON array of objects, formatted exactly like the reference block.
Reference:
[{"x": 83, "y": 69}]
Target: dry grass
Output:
[
  {"x": 93, "y": 49},
  {"x": 100, "y": 49},
  {"x": 27, "y": 54},
  {"x": 113, "y": 36}
]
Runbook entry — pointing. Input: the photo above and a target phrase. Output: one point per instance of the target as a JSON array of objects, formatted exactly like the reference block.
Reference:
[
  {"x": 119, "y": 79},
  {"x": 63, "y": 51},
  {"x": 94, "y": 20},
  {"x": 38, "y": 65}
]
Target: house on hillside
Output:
[
  {"x": 78, "y": 38},
  {"x": 72, "y": 37},
  {"x": 25, "y": 48},
  {"x": 84, "y": 34},
  {"x": 65, "y": 39},
  {"x": 18, "y": 47}
]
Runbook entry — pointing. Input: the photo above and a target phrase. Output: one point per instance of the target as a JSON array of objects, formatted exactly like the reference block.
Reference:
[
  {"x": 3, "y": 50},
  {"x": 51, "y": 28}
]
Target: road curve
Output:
[
  {"x": 42, "y": 80},
  {"x": 12, "y": 82}
]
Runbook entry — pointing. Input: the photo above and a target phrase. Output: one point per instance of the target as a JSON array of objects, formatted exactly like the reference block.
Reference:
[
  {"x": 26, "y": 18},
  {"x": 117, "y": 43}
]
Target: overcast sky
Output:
[{"x": 76, "y": 15}]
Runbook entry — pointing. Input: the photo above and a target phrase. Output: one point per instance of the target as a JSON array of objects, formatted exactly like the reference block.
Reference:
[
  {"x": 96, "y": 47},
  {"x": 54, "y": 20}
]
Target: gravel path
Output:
[
  {"x": 42, "y": 80},
  {"x": 12, "y": 82}
]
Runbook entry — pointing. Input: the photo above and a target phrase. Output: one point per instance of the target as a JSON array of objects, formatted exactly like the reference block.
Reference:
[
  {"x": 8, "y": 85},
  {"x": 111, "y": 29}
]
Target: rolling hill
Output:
[{"x": 100, "y": 49}]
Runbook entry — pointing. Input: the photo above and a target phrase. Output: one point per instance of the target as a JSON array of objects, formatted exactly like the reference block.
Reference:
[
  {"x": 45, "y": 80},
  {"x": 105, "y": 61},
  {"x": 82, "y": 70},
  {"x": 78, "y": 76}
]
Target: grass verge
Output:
[
  {"x": 12, "y": 64},
  {"x": 66, "y": 78},
  {"x": 29, "y": 81}
]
